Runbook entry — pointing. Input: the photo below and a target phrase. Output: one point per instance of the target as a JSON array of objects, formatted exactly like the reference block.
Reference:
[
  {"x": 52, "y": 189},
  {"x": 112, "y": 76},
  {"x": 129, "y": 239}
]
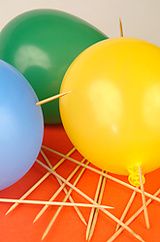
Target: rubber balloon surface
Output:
[
  {"x": 21, "y": 125},
  {"x": 41, "y": 44},
  {"x": 112, "y": 114}
]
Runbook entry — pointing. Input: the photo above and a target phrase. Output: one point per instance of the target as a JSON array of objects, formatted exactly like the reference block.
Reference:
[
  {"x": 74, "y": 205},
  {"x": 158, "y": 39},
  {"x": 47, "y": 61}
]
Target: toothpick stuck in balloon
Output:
[
  {"x": 121, "y": 27},
  {"x": 51, "y": 98}
]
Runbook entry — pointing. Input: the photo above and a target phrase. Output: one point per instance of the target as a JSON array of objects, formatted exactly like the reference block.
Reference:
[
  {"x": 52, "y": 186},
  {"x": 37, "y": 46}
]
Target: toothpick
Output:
[
  {"x": 121, "y": 27},
  {"x": 134, "y": 216},
  {"x": 94, "y": 212},
  {"x": 97, "y": 210},
  {"x": 110, "y": 215},
  {"x": 51, "y": 98},
  {"x": 64, "y": 200},
  {"x": 42, "y": 179},
  {"x": 41, "y": 202},
  {"x": 144, "y": 200},
  {"x": 58, "y": 191},
  {"x": 127, "y": 208},
  {"x": 105, "y": 175},
  {"x": 65, "y": 190},
  {"x": 46, "y": 158}
]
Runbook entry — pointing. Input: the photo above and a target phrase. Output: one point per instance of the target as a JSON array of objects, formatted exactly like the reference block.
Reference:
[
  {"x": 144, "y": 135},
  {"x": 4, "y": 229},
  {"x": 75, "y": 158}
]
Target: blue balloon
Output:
[{"x": 21, "y": 125}]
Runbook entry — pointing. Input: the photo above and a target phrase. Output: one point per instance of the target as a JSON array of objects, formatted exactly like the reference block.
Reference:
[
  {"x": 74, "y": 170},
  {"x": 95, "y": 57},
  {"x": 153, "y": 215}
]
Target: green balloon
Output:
[{"x": 41, "y": 44}]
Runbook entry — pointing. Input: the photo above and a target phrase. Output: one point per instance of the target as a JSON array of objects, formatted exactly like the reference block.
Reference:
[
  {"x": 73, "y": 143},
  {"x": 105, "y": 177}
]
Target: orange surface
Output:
[{"x": 18, "y": 225}]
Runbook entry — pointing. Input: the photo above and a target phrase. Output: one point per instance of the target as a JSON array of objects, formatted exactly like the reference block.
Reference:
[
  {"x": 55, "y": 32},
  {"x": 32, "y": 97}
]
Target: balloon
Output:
[
  {"x": 21, "y": 126},
  {"x": 41, "y": 44},
  {"x": 112, "y": 113}
]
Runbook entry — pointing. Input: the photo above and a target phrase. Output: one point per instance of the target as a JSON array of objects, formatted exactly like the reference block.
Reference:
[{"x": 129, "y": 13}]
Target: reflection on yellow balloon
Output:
[{"x": 112, "y": 114}]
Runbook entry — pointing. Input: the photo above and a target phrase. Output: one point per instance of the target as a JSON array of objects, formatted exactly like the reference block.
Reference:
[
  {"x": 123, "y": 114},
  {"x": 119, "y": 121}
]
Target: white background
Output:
[{"x": 141, "y": 18}]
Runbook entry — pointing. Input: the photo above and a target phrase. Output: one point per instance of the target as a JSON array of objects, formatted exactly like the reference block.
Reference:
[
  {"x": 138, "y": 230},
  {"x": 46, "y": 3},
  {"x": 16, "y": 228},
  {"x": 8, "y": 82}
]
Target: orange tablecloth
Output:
[{"x": 18, "y": 225}]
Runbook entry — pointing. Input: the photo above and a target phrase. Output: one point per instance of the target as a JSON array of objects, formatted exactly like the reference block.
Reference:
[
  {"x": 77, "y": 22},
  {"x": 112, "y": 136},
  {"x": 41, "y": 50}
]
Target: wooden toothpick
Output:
[
  {"x": 42, "y": 179},
  {"x": 41, "y": 202},
  {"x": 94, "y": 212},
  {"x": 134, "y": 216},
  {"x": 46, "y": 159},
  {"x": 127, "y": 208},
  {"x": 58, "y": 191},
  {"x": 110, "y": 215},
  {"x": 51, "y": 98},
  {"x": 112, "y": 178},
  {"x": 143, "y": 199},
  {"x": 80, "y": 215},
  {"x": 121, "y": 27},
  {"x": 64, "y": 200}
]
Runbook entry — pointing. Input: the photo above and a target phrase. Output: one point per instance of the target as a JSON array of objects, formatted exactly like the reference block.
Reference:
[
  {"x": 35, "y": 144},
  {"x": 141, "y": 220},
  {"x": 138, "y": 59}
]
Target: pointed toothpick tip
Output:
[
  {"x": 52, "y": 98},
  {"x": 7, "y": 212},
  {"x": 121, "y": 27},
  {"x": 34, "y": 220},
  {"x": 43, "y": 236}
]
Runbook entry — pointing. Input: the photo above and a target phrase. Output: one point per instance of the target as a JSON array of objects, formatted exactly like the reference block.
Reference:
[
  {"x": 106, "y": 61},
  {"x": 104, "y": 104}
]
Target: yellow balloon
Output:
[{"x": 112, "y": 115}]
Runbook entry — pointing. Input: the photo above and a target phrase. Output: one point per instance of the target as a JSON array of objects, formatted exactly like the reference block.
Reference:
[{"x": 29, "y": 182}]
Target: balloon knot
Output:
[{"x": 134, "y": 176}]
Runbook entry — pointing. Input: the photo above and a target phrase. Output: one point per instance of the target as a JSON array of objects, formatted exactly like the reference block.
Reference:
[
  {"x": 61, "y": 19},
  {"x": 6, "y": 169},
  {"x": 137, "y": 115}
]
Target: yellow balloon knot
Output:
[{"x": 134, "y": 176}]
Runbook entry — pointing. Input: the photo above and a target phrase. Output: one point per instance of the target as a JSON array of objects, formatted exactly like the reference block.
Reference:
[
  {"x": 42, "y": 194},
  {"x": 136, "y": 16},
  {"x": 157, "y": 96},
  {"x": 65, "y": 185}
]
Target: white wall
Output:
[{"x": 141, "y": 18}]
